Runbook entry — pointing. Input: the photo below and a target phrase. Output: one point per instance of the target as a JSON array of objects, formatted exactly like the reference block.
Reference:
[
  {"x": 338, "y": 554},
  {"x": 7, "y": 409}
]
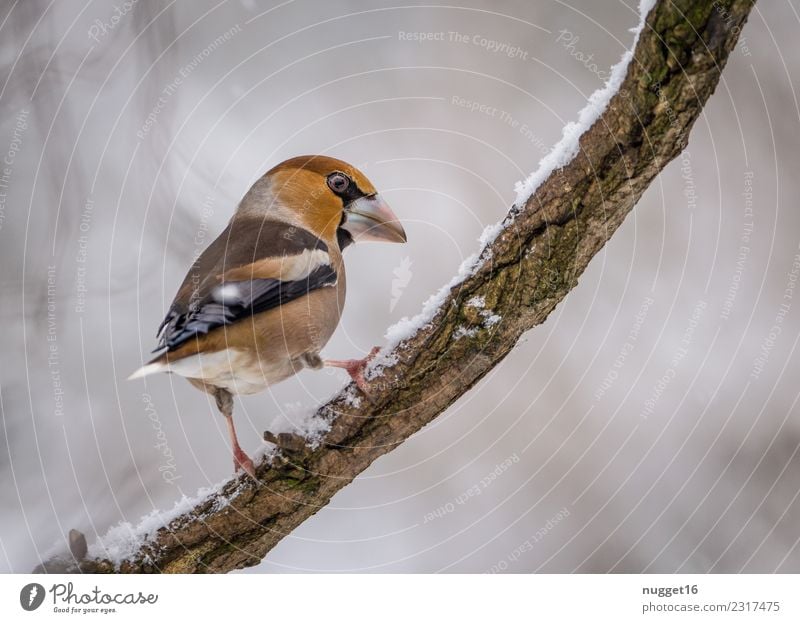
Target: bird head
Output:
[{"x": 334, "y": 200}]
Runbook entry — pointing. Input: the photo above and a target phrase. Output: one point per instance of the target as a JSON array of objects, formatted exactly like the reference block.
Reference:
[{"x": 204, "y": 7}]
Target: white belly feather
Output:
[{"x": 238, "y": 371}]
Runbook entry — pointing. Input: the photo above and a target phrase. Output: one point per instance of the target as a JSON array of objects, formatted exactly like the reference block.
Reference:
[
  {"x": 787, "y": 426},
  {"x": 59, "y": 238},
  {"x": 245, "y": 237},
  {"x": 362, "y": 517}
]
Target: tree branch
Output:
[{"x": 523, "y": 274}]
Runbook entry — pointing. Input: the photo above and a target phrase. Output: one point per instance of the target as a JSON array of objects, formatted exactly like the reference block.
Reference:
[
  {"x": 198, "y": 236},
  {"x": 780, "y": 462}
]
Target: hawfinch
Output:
[{"x": 265, "y": 297}]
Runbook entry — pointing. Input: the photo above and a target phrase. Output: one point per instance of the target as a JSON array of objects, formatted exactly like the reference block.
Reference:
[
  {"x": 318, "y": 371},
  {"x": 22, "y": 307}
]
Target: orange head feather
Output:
[{"x": 333, "y": 199}]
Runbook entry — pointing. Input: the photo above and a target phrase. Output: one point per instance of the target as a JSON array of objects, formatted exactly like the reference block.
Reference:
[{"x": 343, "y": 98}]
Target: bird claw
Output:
[
  {"x": 355, "y": 368},
  {"x": 243, "y": 462}
]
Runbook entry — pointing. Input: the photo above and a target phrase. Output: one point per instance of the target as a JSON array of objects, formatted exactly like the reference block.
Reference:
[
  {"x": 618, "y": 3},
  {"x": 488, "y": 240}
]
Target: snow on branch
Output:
[
  {"x": 567, "y": 148},
  {"x": 558, "y": 157}
]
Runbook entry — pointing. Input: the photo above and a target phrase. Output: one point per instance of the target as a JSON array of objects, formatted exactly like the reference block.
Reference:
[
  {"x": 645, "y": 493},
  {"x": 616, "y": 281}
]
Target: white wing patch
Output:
[
  {"x": 291, "y": 268},
  {"x": 299, "y": 267},
  {"x": 227, "y": 294}
]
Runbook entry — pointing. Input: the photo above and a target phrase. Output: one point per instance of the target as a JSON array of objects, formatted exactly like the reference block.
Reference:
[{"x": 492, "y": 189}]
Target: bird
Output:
[{"x": 262, "y": 300}]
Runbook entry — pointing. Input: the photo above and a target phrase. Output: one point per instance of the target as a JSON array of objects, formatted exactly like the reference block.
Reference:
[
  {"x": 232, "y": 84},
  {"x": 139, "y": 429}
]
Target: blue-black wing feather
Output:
[{"x": 254, "y": 296}]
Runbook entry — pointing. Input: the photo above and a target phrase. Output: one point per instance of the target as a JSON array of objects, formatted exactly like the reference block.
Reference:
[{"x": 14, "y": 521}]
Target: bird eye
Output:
[{"x": 338, "y": 182}]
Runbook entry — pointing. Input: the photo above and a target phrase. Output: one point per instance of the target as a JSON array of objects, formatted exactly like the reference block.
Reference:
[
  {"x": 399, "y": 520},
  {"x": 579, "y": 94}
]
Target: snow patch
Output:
[
  {"x": 478, "y": 302},
  {"x": 464, "y": 332},
  {"x": 351, "y": 399},
  {"x": 567, "y": 148},
  {"x": 491, "y": 319},
  {"x": 123, "y": 541},
  {"x": 301, "y": 419}
]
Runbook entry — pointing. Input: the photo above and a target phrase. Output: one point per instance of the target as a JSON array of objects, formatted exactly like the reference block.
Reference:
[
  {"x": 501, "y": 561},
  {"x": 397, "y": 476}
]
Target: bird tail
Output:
[{"x": 146, "y": 370}]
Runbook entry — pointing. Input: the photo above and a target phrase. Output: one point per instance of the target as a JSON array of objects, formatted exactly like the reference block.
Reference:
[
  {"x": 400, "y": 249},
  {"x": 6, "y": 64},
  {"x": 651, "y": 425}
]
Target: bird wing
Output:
[{"x": 253, "y": 266}]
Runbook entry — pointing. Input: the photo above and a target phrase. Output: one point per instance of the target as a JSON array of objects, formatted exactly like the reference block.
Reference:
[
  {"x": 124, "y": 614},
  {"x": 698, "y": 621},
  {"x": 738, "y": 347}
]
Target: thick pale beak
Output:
[{"x": 370, "y": 218}]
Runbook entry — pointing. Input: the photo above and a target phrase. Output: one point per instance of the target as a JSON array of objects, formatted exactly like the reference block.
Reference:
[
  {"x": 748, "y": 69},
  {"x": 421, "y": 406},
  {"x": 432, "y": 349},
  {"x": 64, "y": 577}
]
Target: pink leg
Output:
[
  {"x": 354, "y": 367},
  {"x": 240, "y": 459}
]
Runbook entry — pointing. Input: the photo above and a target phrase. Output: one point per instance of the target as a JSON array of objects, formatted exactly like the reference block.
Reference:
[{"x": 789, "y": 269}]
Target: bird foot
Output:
[
  {"x": 243, "y": 462},
  {"x": 355, "y": 368}
]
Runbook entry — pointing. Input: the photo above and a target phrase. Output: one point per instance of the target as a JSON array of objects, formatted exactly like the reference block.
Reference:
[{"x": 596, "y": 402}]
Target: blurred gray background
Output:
[{"x": 650, "y": 425}]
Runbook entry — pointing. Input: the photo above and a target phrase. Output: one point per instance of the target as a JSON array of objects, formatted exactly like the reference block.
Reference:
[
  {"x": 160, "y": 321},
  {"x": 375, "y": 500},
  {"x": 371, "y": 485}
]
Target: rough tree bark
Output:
[{"x": 528, "y": 269}]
